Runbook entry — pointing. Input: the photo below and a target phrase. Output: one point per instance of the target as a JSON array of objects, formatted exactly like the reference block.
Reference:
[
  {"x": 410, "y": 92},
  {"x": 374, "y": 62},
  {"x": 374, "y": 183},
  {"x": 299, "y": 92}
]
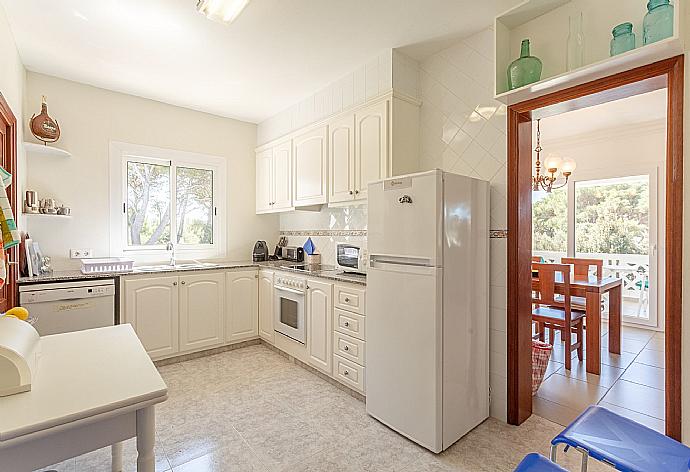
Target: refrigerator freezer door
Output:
[
  {"x": 406, "y": 218},
  {"x": 404, "y": 351}
]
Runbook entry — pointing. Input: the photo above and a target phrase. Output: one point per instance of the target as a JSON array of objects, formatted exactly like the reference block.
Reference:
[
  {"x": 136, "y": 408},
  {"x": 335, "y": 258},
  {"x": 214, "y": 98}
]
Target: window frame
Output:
[{"x": 123, "y": 153}]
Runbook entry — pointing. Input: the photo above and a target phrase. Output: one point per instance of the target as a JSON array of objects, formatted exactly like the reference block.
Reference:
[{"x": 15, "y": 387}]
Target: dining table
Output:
[{"x": 592, "y": 289}]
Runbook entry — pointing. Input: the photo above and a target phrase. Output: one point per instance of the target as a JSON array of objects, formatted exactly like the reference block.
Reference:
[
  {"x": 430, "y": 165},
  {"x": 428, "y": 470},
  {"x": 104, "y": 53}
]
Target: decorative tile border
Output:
[
  {"x": 326, "y": 232},
  {"x": 493, "y": 233}
]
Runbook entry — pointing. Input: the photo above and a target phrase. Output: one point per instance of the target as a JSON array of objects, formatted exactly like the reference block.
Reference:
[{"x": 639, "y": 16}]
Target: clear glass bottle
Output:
[
  {"x": 658, "y": 22},
  {"x": 525, "y": 70},
  {"x": 623, "y": 39},
  {"x": 575, "y": 53}
]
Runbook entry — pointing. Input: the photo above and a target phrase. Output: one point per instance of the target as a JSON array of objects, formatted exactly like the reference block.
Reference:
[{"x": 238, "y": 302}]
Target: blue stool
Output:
[
  {"x": 538, "y": 463},
  {"x": 622, "y": 443}
]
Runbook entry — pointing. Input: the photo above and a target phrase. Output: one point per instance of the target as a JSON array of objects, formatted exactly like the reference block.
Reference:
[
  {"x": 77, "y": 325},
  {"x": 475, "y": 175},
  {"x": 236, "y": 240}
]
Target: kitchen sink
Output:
[{"x": 168, "y": 267}]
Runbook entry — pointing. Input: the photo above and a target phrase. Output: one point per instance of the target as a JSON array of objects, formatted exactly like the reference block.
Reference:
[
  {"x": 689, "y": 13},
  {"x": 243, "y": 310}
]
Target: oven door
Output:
[{"x": 290, "y": 313}]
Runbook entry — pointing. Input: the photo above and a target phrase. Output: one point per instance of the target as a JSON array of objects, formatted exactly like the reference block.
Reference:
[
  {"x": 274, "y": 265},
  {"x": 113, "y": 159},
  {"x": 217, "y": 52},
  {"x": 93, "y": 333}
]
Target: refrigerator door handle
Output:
[{"x": 399, "y": 260}]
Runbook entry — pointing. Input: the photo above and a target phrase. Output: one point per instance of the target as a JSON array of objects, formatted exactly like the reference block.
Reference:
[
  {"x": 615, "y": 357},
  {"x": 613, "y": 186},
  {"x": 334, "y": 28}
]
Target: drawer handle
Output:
[
  {"x": 347, "y": 300},
  {"x": 174, "y": 284},
  {"x": 347, "y": 324},
  {"x": 346, "y": 372},
  {"x": 346, "y": 348}
]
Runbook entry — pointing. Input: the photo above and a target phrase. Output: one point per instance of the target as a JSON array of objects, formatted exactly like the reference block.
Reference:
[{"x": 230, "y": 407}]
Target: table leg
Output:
[
  {"x": 593, "y": 316},
  {"x": 146, "y": 438},
  {"x": 615, "y": 308},
  {"x": 116, "y": 457}
]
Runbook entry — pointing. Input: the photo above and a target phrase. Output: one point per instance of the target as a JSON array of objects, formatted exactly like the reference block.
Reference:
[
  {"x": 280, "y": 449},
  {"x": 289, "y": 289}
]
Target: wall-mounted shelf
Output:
[
  {"x": 546, "y": 24},
  {"x": 46, "y": 215},
  {"x": 46, "y": 150}
]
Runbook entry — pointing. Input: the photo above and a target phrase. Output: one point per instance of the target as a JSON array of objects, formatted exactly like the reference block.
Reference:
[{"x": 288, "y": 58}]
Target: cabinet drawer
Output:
[
  {"x": 349, "y": 323},
  {"x": 348, "y": 373},
  {"x": 349, "y": 298},
  {"x": 349, "y": 348}
]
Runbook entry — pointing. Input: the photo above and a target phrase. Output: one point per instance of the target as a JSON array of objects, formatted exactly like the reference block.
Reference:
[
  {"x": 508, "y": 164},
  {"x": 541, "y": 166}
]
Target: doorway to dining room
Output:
[
  {"x": 609, "y": 218},
  {"x": 605, "y": 320}
]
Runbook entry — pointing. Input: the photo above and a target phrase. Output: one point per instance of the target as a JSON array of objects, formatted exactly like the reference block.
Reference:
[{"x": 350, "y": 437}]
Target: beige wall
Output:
[
  {"x": 12, "y": 76},
  {"x": 89, "y": 119}
]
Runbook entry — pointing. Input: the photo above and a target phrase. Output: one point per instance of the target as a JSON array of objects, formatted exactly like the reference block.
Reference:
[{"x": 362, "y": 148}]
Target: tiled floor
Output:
[
  {"x": 253, "y": 410},
  {"x": 631, "y": 383}
]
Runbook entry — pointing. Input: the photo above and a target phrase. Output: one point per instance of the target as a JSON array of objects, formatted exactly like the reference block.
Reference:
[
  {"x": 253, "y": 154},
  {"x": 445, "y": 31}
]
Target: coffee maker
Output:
[{"x": 260, "y": 253}]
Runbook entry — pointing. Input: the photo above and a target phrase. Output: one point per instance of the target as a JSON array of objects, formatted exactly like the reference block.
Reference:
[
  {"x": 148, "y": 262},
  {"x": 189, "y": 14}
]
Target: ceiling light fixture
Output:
[
  {"x": 224, "y": 11},
  {"x": 552, "y": 165}
]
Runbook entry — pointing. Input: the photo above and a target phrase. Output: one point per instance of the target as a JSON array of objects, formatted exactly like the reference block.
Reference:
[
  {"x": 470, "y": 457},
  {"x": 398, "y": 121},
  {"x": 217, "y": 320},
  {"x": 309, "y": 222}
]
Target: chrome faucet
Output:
[{"x": 171, "y": 247}]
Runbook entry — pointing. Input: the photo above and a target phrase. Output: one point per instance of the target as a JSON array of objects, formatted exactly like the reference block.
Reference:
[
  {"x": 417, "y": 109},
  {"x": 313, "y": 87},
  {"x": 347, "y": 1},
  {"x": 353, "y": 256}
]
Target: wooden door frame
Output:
[
  {"x": 668, "y": 74},
  {"x": 13, "y": 253}
]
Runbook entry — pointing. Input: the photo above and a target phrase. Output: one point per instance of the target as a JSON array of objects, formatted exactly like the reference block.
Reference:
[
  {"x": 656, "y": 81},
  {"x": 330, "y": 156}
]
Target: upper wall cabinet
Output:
[
  {"x": 377, "y": 141},
  {"x": 335, "y": 162},
  {"x": 371, "y": 146},
  {"x": 341, "y": 159},
  {"x": 310, "y": 169},
  {"x": 274, "y": 178},
  {"x": 548, "y": 24}
]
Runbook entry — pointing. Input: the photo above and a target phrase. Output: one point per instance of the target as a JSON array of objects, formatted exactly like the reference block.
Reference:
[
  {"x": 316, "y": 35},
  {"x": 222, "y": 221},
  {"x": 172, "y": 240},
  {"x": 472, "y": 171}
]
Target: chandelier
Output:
[{"x": 552, "y": 165}]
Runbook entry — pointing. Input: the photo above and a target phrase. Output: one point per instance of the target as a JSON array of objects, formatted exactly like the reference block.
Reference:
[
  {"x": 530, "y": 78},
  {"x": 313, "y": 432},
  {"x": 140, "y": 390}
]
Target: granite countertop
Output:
[{"x": 325, "y": 272}]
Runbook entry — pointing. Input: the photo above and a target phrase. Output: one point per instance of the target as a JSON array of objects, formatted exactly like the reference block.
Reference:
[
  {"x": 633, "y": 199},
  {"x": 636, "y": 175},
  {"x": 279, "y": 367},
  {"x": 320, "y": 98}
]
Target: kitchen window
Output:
[{"x": 162, "y": 197}]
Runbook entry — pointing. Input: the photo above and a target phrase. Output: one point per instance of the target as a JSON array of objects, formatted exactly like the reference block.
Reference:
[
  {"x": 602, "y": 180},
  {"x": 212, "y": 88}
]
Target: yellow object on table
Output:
[{"x": 18, "y": 312}]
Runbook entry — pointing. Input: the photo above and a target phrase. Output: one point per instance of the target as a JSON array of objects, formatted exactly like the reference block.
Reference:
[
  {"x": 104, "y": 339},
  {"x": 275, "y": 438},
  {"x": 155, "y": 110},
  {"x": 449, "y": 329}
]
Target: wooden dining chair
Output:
[
  {"x": 581, "y": 266},
  {"x": 555, "y": 313}
]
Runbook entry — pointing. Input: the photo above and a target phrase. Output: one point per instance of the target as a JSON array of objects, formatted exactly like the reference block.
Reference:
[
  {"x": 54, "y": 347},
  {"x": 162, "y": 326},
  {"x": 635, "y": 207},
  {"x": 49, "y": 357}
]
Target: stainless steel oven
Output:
[{"x": 290, "y": 307}]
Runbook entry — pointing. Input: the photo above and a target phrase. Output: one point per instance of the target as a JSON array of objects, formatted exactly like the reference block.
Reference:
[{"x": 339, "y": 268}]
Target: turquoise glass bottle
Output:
[
  {"x": 525, "y": 70},
  {"x": 658, "y": 22},
  {"x": 623, "y": 39}
]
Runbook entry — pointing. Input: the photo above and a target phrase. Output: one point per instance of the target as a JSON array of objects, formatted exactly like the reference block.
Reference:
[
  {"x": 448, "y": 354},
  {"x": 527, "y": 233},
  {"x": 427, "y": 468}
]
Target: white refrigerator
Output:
[{"x": 427, "y": 374}]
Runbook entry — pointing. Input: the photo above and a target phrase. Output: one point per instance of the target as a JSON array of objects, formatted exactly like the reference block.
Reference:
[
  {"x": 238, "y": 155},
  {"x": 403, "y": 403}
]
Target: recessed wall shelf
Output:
[
  {"x": 546, "y": 24},
  {"x": 46, "y": 150}
]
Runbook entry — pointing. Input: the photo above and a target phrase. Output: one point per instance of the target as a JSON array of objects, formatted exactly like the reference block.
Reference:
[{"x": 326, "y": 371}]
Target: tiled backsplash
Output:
[{"x": 326, "y": 228}]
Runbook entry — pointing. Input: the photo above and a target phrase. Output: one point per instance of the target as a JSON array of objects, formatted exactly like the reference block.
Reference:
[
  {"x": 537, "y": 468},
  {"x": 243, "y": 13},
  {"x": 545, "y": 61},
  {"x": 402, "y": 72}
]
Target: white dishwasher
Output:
[{"x": 69, "y": 306}]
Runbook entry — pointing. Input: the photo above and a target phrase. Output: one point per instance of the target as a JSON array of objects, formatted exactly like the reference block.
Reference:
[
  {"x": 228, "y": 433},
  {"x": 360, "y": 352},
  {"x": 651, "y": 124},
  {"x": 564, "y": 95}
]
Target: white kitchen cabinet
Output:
[
  {"x": 341, "y": 154},
  {"x": 310, "y": 167},
  {"x": 319, "y": 325},
  {"x": 266, "y": 331},
  {"x": 202, "y": 308},
  {"x": 241, "y": 320},
  {"x": 274, "y": 178},
  {"x": 151, "y": 307},
  {"x": 264, "y": 181},
  {"x": 282, "y": 176},
  {"x": 371, "y": 146}
]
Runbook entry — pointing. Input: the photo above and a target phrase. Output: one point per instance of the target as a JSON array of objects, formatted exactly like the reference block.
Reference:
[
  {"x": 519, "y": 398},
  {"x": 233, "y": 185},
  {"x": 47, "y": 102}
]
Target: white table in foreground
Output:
[{"x": 92, "y": 389}]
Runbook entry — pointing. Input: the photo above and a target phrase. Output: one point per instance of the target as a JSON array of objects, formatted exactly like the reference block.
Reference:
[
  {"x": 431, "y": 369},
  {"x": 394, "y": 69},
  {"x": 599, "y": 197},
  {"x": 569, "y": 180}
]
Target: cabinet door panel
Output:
[
  {"x": 151, "y": 306},
  {"x": 201, "y": 310},
  {"x": 310, "y": 167},
  {"x": 341, "y": 168},
  {"x": 371, "y": 137},
  {"x": 282, "y": 176},
  {"x": 266, "y": 306},
  {"x": 264, "y": 180},
  {"x": 319, "y": 325},
  {"x": 242, "y": 318}
]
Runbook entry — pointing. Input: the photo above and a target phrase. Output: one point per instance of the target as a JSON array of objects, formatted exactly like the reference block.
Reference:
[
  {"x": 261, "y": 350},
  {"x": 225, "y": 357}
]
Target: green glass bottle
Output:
[
  {"x": 623, "y": 39},
  {"x": 525, "y": 70},
  {"x": 658, "y": 22}
]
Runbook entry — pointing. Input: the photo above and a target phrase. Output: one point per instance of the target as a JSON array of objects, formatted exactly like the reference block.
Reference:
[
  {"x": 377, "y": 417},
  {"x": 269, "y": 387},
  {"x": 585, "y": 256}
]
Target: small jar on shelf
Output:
[
  {"x": 623, "y": 39},
  {"x": 658, "y": 22}
]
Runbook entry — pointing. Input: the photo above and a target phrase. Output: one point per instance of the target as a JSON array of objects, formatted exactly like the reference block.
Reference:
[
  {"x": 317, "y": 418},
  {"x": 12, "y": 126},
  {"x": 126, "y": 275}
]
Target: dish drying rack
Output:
[{"x": 106, "y": 265}]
